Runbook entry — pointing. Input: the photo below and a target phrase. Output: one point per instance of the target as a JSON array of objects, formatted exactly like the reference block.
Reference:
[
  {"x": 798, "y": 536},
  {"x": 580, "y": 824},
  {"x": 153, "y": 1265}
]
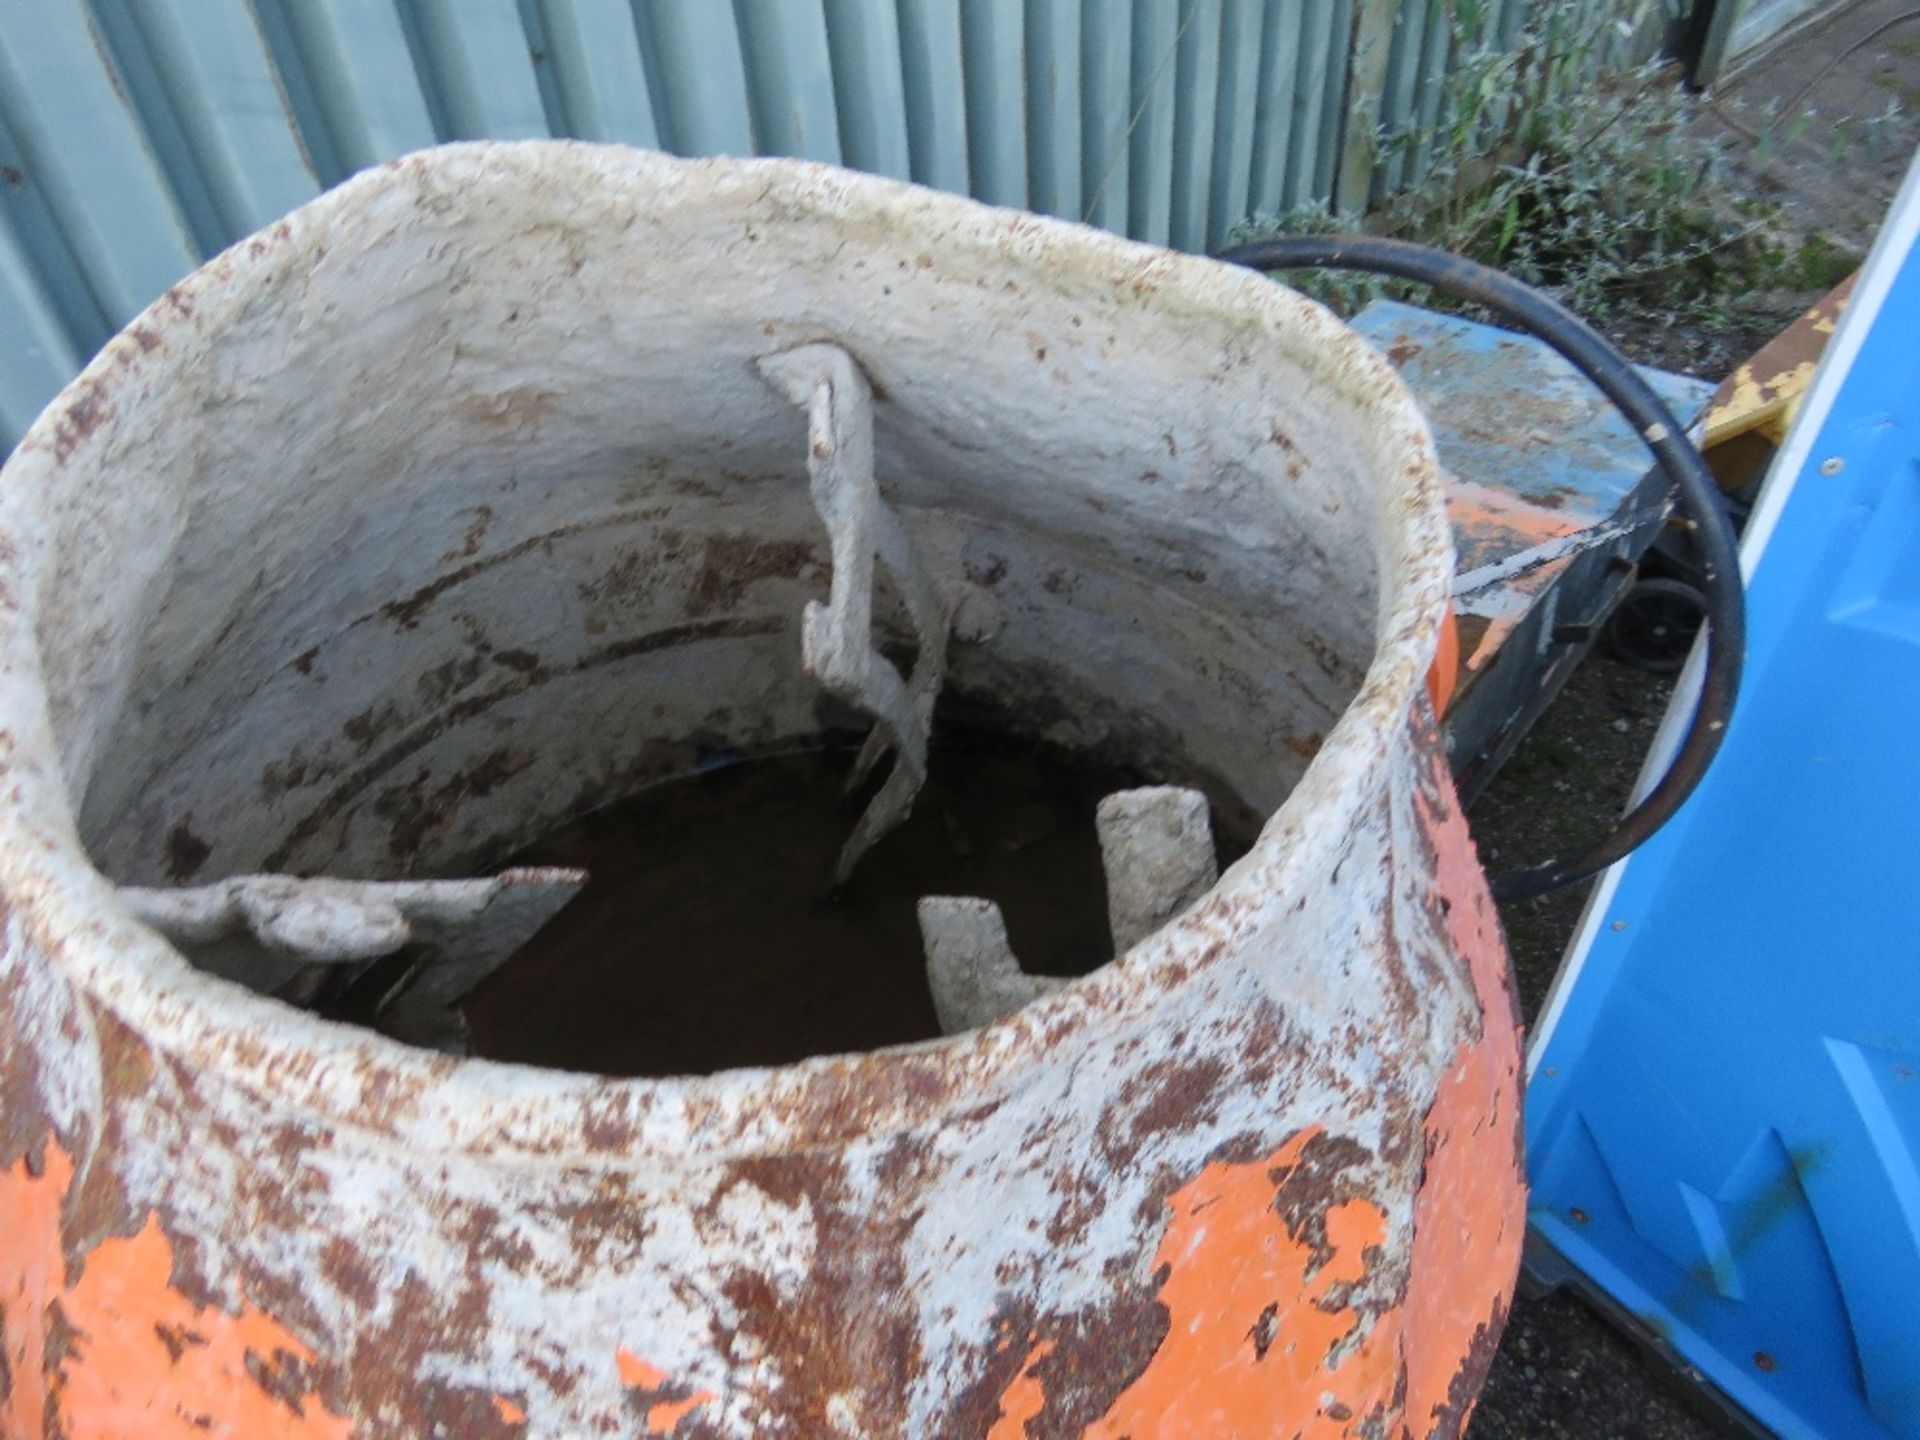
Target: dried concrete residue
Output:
[
  {"x": 837, "y": 638},
  {"x": 275, "y": 933},
  {"x": 1156, "y": 844},
  {"x": 972, "y": 969}
]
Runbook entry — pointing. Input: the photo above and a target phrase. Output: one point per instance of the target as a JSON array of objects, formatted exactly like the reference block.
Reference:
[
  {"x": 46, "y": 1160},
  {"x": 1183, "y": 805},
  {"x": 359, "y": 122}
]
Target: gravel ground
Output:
[{"x": 1562, "y": 1371}]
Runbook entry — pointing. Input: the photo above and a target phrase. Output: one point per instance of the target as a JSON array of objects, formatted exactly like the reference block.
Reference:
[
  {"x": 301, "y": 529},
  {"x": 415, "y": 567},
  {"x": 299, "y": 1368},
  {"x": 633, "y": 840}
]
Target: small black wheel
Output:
[{"x": 1653, "y": 626}]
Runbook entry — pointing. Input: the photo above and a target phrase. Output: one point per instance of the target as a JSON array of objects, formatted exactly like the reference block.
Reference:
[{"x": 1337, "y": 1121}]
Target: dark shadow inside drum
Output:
[{"x": 710, "y": 935}]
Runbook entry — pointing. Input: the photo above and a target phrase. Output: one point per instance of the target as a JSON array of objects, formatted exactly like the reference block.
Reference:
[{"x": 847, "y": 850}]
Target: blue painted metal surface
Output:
[
  {"x": 1549, "y": 491},
  {"x": 1724, "y": 1113},
  {"x": 1510, "y": 416}
]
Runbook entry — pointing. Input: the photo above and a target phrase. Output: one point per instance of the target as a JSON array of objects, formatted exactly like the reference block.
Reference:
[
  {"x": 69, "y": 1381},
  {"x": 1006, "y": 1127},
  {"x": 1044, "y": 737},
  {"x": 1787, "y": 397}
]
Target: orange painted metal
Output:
[
  {"x": 136, "y": 1357},
  {"x": 1444, "y": 677},
  {"x": 1763, "y": 394}
]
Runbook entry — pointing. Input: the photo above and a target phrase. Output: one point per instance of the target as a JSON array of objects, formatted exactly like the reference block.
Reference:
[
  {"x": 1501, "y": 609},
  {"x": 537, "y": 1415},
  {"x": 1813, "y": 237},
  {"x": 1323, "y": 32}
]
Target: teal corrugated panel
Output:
[
  {"x": 1053, "y": 107},
  {"x": 1106, "y": 111},
  {"x": 1309, "y": 99},
  {"x": 479, "y": 67},
  {"x": 1513, "y": 19},
  {"x": 208, "y": 140},
  {"x": 124, "y": 54},
  {"x": 1435, "y": 53},
  {"x": 37, "y": 356},
  {"x": 350, "y": 79},
  {"x": 214, "y": 80},
  {"x": 790, "y": 78},
  {"x": 1398, "y": 98},
  {"x": 1239, "y": 104},
  {"x": 1334, "y": 72},
  {"x": 138, "y": 135},
  {"x": 593, "y": 52},
  {"x": 863, "y": 37},
  {"x": 108, "y": 195},
  {"x": 936, "y": 92},
  {"x": 993, "y": 57},
  {"x": 546, "y": 78},
  {"x": 1273, "y": 115},
  {"x": 48, "y": 258},
  {"x": 1156, "y": 48},
  {"x": 697, "y": 76},
  {"x": 1197, "y": 92}
]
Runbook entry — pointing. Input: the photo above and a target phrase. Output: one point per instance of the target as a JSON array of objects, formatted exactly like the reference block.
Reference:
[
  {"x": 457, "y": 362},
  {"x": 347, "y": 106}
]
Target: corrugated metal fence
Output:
[{"x": 139, "y": 137}]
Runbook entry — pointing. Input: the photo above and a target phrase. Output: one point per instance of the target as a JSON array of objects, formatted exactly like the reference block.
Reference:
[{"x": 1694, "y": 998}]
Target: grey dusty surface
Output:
[
  {"x": 1156, "y": 844},
  {"x": 1561, "y": 1371}
]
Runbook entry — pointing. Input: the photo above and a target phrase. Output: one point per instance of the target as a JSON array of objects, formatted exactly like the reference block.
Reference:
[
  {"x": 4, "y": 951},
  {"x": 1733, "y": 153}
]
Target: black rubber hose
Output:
[{"x": 1699, "y": 499}]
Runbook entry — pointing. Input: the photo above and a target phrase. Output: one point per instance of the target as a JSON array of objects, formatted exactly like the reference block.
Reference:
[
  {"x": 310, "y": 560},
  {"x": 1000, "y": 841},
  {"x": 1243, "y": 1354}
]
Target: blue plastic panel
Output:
[
  {"x": 1510, "y": 416},
  {"x": 1724, "y": 1115}
]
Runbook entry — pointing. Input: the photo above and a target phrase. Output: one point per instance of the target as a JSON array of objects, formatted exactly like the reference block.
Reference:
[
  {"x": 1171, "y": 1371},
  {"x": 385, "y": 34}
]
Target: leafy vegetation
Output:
[{"x": 1553, "y": 157}]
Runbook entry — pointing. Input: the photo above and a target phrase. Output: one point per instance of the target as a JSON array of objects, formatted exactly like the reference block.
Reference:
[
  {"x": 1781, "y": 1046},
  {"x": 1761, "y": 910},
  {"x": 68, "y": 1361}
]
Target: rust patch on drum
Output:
[{"x": 186, "y": 851}]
